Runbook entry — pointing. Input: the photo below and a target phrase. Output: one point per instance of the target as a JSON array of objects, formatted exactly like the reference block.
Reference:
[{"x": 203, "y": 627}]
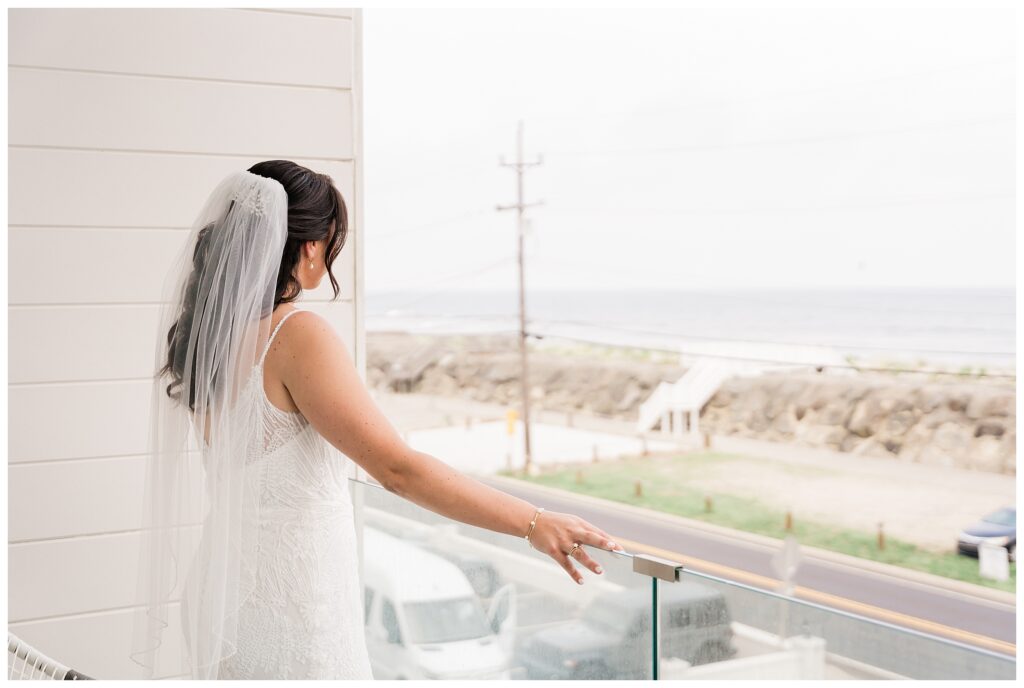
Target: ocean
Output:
[{"x": 917, "y": 328}]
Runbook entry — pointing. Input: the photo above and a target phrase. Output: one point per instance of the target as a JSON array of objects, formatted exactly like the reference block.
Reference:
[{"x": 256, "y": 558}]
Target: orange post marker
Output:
[{"x": 510, "y": 421}]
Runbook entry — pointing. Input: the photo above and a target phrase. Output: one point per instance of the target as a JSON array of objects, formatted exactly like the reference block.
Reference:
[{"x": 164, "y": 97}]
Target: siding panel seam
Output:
[{"x": 175, "y": 77}]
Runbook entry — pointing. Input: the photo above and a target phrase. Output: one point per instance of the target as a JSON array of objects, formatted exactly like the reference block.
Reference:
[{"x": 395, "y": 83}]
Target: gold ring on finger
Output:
[{"x": 575, "y": 546}]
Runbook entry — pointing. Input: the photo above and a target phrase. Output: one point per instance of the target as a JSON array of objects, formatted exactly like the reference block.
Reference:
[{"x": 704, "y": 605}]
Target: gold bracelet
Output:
[{"x": 533, "y": 523}]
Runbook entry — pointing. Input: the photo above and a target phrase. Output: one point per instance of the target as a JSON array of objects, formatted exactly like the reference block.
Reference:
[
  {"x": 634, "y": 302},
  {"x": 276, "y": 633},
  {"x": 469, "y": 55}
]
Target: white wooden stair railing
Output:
[{"x": 670, "y": 402}]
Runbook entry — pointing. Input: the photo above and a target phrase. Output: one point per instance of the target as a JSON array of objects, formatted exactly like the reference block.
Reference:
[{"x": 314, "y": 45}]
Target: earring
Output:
[{"x": 310, "y": 265}]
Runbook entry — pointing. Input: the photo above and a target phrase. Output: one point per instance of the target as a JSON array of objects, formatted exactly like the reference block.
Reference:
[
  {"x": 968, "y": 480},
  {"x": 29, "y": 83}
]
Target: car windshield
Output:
[
  {"x": 1003, "y": 517},
  {"x": 445, "y": 621}
]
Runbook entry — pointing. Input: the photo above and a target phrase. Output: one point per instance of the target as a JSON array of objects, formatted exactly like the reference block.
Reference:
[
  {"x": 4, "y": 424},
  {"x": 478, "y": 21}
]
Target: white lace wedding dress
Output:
[{"x": 304, "y": 620}]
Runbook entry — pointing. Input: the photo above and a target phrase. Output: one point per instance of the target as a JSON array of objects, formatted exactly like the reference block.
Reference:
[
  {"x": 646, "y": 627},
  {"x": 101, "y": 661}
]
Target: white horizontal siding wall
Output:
[{"x": 121, "y": 121}]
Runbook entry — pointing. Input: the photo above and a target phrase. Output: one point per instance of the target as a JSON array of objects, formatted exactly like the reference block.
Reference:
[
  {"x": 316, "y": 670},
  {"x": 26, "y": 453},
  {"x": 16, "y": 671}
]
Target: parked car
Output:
[
  {"x": 483, "y": 575},
  {"x": 612, "y": 639},
  {"x": 998, "y": 528},
  {"x": 424, "y": 620}
]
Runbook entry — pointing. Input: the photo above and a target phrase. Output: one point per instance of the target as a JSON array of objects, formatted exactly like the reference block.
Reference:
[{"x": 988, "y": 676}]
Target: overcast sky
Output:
[{"x": 695, "y": 149}]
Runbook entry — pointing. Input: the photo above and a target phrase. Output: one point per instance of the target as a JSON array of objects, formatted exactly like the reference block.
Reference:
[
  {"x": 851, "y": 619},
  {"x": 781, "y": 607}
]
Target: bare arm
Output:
[{"x": 327, "y": 389}]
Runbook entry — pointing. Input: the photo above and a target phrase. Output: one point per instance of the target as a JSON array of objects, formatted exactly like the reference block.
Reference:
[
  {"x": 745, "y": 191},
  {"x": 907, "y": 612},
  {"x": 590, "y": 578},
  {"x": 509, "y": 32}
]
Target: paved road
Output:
[
  {"x": 977, "y": 622},
  {"x": 924, "y": 608}
]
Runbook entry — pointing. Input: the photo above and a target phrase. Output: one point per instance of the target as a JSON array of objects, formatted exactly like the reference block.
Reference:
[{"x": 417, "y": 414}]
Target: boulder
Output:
[
  {"x": 833, "y": 413},
  {"x": 1002, "y": 404},
  {"x": 963, "y": 423},
  {"x": 866, "y": 416},
  {"x": 721, "y": 399},
  {"x": 914, "y": 440},
  {"x": 872, "y": 447},
  {"x": 958, "y": 401},
  {"x": 784, "y": 423},
  {"x": 995, "y": 427},
  {"x": 850, "y": 443},
  {"x": 986, "y": 454},
  {"x": 978, "y": 403},
  {"x": 927, "y": 399},
  {"x": 948, "y": 447},
  {"x": 898, "y": 423}
]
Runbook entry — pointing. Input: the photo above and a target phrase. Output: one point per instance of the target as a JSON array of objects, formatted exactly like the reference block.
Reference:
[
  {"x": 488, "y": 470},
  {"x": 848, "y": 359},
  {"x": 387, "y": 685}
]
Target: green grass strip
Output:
[{"x": 664, "y": 489}]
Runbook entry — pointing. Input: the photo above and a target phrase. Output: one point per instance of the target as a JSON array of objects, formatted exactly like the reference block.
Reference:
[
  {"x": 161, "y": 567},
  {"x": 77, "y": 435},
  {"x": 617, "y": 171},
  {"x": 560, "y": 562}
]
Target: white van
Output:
[{"x": 425, "y": 621}]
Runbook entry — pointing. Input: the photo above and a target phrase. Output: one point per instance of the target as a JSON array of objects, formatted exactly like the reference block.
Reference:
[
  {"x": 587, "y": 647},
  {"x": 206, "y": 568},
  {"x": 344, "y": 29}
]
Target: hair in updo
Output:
[{"x": 313, "y": 204}]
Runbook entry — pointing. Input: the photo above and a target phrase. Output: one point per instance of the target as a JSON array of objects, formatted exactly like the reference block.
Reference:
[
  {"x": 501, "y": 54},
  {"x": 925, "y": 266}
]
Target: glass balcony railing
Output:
[
  {"x": 780, "y": 637},
  {"x": 446, "y": 600}
]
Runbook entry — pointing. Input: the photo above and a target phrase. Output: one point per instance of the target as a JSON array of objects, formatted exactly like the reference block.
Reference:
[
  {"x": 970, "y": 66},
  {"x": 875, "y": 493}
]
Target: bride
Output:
[{"x": 255, "y": 410}]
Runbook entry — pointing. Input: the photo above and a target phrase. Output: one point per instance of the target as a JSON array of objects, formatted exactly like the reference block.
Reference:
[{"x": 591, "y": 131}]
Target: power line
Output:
[
  {"x": 863, "y": 82},
  {"x": 864, "y": 347},
  {"x": 751, "y": 299},
  {"x": 448, "y": 278},
  {"x": 861, "y": 368},
  {"x": 815, "y": 366},
  {"x": 683, "y": 335},
  {"x": 507, "y": 331},
  {"x": 467, "y": 316},
  {"x": 820, "y": 138},
  {"x": 795, "y": 93},
  {"x": 467, "y": 169},
  {"x": 447, "y": 223},
  {"x": 743, "y": 210}
]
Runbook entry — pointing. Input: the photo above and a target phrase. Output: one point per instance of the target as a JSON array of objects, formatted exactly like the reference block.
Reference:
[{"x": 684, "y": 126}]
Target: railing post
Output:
[
  {"x": 657, "y": 568},
  {"x": 655, "y": 627}
]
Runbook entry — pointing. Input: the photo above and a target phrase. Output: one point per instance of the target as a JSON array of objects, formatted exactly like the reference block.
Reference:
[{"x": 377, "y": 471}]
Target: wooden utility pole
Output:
[{"x": 519, "y": 206}]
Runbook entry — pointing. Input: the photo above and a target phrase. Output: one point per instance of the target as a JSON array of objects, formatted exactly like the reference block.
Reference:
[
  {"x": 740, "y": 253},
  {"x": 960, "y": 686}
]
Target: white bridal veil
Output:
[{"x": 199, "y": 502}]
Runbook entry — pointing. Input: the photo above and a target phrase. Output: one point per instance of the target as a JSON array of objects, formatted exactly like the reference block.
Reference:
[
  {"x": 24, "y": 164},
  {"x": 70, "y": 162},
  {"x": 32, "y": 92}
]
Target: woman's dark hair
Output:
[{"x": 313, "y": 204}]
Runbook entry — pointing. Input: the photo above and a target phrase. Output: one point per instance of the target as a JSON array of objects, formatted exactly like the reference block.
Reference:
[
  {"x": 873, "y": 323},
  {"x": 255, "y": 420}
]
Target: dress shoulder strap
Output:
[{"x": 274, "y": 333}]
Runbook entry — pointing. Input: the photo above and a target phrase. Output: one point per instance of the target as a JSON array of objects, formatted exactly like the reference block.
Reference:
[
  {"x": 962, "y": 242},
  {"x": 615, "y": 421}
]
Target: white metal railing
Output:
[{"x": 25, "y": 662}]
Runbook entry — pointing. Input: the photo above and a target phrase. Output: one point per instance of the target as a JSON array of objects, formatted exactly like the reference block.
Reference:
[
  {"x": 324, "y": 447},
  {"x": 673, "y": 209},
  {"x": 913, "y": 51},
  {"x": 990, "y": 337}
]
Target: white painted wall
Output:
[{"x": 121, "y": 121}]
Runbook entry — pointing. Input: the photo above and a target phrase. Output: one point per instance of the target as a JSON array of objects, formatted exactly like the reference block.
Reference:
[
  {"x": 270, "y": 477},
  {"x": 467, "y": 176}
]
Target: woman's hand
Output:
[{"x": 555, "y": 533}]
